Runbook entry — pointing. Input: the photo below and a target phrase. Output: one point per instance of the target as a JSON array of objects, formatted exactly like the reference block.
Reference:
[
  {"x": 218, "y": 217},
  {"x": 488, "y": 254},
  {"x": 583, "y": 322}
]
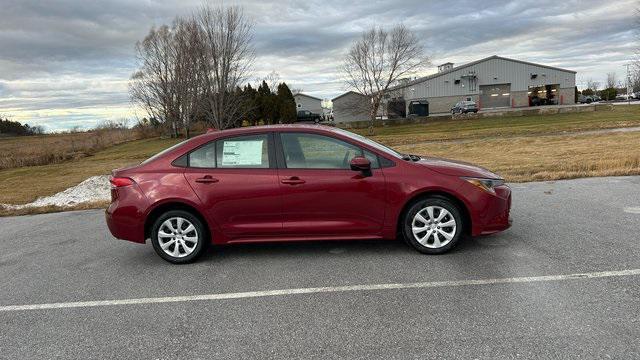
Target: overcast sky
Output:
[{"x": 67, "y": 63}]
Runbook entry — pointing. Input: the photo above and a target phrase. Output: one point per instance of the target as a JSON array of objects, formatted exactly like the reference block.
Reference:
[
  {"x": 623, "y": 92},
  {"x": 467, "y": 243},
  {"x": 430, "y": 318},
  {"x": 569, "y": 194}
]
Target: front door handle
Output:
[
  {"x": 294, "y": 180},
  {"x": 207, "y": 180}
]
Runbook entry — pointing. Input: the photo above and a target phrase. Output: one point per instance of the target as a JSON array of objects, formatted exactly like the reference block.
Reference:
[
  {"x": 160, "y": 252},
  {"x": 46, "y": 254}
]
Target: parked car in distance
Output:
[
  {"x": 297, "y": 183},
  {"x": 463, "y": 107},
  {"x": 306, "y": 115},
  {"x": 585, "y": 99},
  {"x": 588, "y": 99},
  {"x": 327, "y": 115}
]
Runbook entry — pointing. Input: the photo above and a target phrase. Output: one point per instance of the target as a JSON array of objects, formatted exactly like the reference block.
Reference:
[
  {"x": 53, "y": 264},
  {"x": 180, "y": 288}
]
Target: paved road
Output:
[{"x": 563, "y": 227}]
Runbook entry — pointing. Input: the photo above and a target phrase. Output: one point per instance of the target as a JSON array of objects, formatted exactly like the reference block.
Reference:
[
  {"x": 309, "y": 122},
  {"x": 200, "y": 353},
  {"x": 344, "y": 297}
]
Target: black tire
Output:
[
  {"x": 422, "y": 204},
  {"x": 200, "y": 230}
]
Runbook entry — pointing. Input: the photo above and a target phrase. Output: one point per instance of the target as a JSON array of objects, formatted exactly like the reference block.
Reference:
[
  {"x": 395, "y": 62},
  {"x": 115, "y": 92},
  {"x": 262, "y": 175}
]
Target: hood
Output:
[{"x": 456, "y": 168}]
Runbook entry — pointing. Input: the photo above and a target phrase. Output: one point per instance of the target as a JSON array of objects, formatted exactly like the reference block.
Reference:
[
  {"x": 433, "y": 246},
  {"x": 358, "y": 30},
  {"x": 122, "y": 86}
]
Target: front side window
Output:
[
  {"x": 251, "y": 151},
  {"x": 310, "y": 151},
  {"x": 375, "y": 145}
]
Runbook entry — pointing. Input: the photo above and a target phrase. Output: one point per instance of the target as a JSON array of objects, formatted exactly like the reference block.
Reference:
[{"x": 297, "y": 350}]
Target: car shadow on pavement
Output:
[{"x": 335, "y": 248}]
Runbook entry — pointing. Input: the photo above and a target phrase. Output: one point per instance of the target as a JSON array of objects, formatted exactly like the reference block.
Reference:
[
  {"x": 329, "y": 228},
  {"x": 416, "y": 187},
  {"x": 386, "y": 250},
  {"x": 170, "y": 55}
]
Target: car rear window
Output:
[{"x": 165, "y": 151}]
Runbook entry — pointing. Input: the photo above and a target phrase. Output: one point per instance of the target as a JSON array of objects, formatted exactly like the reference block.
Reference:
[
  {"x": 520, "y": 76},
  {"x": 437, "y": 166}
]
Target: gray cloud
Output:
[{"x": 65, "y": 63}]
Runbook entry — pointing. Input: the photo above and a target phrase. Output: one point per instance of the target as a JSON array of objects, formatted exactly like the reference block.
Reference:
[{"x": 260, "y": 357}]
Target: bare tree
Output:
[
  {"x": 194, "y": 68},
  {"x": 227, "y": 56},
  {"x": 593, "y": 85},
  {"x": 612, "y": 80},
  {"x": 378, "y": 59},
  {"x": 151, "y": 85},
  {"x": 272, "y": 79},
  {"x": 188, "y": 83}
]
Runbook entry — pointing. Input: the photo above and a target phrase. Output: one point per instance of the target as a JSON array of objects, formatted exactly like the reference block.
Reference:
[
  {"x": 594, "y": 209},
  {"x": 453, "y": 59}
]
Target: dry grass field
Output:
[
  {"x": 532, "y": 148},
  {"x": 57, "y": 148},
  {"x": 25, "y": 184},
  {"x": 537, "y": 158},
  {"x": 519, "y": 148},
  {"x": 507, "y": 126}
]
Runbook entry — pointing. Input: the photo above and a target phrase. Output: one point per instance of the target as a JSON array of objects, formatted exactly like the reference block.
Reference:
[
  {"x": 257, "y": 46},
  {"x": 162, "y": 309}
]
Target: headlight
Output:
[{"x": 487, "y": 185}]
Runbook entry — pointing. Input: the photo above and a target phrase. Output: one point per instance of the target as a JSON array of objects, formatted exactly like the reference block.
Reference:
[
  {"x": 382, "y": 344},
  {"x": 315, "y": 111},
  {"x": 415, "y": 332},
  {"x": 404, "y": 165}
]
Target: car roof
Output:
[{"x": 267, "y": 128}]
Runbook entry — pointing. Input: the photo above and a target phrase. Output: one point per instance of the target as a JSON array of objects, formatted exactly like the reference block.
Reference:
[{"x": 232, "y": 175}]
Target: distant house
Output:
[
  {"x": 350, "y": 106},
  {"x": 308, "y": 102}
]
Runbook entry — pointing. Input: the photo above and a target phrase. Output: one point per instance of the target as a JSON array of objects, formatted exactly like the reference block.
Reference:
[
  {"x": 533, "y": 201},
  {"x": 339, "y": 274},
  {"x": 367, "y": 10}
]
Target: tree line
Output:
[
  {"x": 196, "y": 69},
  {"x": 14, "y": 128},
  {"x": 612, "y": 87}
]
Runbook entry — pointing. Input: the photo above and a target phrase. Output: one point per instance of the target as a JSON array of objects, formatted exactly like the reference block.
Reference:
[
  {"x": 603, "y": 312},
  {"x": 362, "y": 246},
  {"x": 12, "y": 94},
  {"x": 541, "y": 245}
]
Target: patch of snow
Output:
[{"x": 95, "y": 188}]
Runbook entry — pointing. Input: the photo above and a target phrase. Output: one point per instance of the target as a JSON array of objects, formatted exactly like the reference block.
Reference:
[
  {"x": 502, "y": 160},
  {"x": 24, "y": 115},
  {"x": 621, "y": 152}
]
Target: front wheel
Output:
[
  {"x": 433, "y": 225},
  {"x": 179, "y": 237}
]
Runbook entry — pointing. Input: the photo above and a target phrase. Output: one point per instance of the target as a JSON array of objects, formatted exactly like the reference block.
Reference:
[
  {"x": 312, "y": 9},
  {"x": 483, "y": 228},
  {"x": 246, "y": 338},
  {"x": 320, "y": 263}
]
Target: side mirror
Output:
[{"x": 360, "y": 163}]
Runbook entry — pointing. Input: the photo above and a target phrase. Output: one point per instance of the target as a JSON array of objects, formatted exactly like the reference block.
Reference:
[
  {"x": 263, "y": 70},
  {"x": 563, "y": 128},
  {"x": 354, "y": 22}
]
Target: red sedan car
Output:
[{"x": 298, "y": 183}]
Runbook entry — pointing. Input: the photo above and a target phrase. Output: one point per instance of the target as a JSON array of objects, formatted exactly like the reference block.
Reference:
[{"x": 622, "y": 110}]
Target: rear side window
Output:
[
  {"x": 249, "y": 152},
  {"x": 165, "y": 151},
  {"x": 203, "y": 157}
]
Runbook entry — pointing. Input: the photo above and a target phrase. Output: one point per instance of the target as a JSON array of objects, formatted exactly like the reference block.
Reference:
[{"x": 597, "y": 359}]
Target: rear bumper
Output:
[
  {"x": 121, "y": 227},
  {"x": 125, "y": 217}
]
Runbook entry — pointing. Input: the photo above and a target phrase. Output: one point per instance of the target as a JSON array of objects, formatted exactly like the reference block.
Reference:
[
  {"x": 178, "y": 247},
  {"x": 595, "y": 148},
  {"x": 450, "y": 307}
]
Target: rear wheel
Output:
[
  {"x": 433, "y": 225},
  {"x": 178, "y": 236}
]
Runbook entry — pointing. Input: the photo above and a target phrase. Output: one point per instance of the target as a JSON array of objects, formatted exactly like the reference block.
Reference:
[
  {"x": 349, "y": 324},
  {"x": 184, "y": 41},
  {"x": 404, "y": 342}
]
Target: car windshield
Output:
[{"x": 370, "y": 142}]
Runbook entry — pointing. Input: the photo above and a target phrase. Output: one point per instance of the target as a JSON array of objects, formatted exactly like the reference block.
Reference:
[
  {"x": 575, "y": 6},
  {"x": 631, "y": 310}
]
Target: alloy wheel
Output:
[
  {"x": 177, "y": 237},
  {"x": 433, "y": 227}
]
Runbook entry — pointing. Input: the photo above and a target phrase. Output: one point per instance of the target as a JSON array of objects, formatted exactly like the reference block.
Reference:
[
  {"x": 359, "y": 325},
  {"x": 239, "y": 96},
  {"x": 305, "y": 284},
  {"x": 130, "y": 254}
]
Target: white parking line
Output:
[{"x": 328, "y": 289}]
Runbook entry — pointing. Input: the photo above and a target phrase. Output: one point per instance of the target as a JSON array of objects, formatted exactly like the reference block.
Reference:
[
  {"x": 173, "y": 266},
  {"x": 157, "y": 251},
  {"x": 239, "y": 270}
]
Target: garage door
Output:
[{"x": 493, "y": 96}]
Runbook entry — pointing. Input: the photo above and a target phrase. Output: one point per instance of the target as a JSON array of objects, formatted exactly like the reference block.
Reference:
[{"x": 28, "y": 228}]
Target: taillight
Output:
[{"x": 117, "y": 182}]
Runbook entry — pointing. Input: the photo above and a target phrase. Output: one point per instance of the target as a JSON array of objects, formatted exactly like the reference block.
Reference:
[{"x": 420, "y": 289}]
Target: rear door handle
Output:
[
  {"x": 207, "y": 180},
  {"x": 294, "y": 180}
]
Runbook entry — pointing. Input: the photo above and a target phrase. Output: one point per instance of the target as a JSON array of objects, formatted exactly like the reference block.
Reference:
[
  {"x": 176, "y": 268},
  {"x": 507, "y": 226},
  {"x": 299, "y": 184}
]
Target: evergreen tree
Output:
[
  {"x": 252, "y": 108},
  {"x": 286, "y": 104},
  {"x": 266, "y": 104}
]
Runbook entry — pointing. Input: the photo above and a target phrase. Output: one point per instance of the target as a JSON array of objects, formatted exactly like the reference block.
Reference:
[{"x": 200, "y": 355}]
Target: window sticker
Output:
[{"x": 242, "y": 153}]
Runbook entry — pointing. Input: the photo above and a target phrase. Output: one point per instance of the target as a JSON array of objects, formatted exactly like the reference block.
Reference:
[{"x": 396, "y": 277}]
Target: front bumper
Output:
[{"x": 495, "y": 214}]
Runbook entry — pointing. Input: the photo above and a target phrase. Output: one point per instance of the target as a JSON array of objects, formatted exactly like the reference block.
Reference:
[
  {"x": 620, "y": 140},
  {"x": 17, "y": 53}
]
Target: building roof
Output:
[
  {"x": 432, "y": 76},
  {"x": 309, "y": 96},
  {"x": 347, "y": 93}
]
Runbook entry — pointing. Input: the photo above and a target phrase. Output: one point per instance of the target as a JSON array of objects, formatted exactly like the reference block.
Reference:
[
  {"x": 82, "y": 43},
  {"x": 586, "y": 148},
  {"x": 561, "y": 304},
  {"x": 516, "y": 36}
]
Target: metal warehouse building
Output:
[{"x": 493, "y": 82}]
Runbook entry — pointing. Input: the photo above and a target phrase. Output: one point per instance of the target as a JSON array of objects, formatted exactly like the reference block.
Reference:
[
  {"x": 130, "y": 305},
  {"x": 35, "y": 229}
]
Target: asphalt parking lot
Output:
[{"x": 523, "y": 310}]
